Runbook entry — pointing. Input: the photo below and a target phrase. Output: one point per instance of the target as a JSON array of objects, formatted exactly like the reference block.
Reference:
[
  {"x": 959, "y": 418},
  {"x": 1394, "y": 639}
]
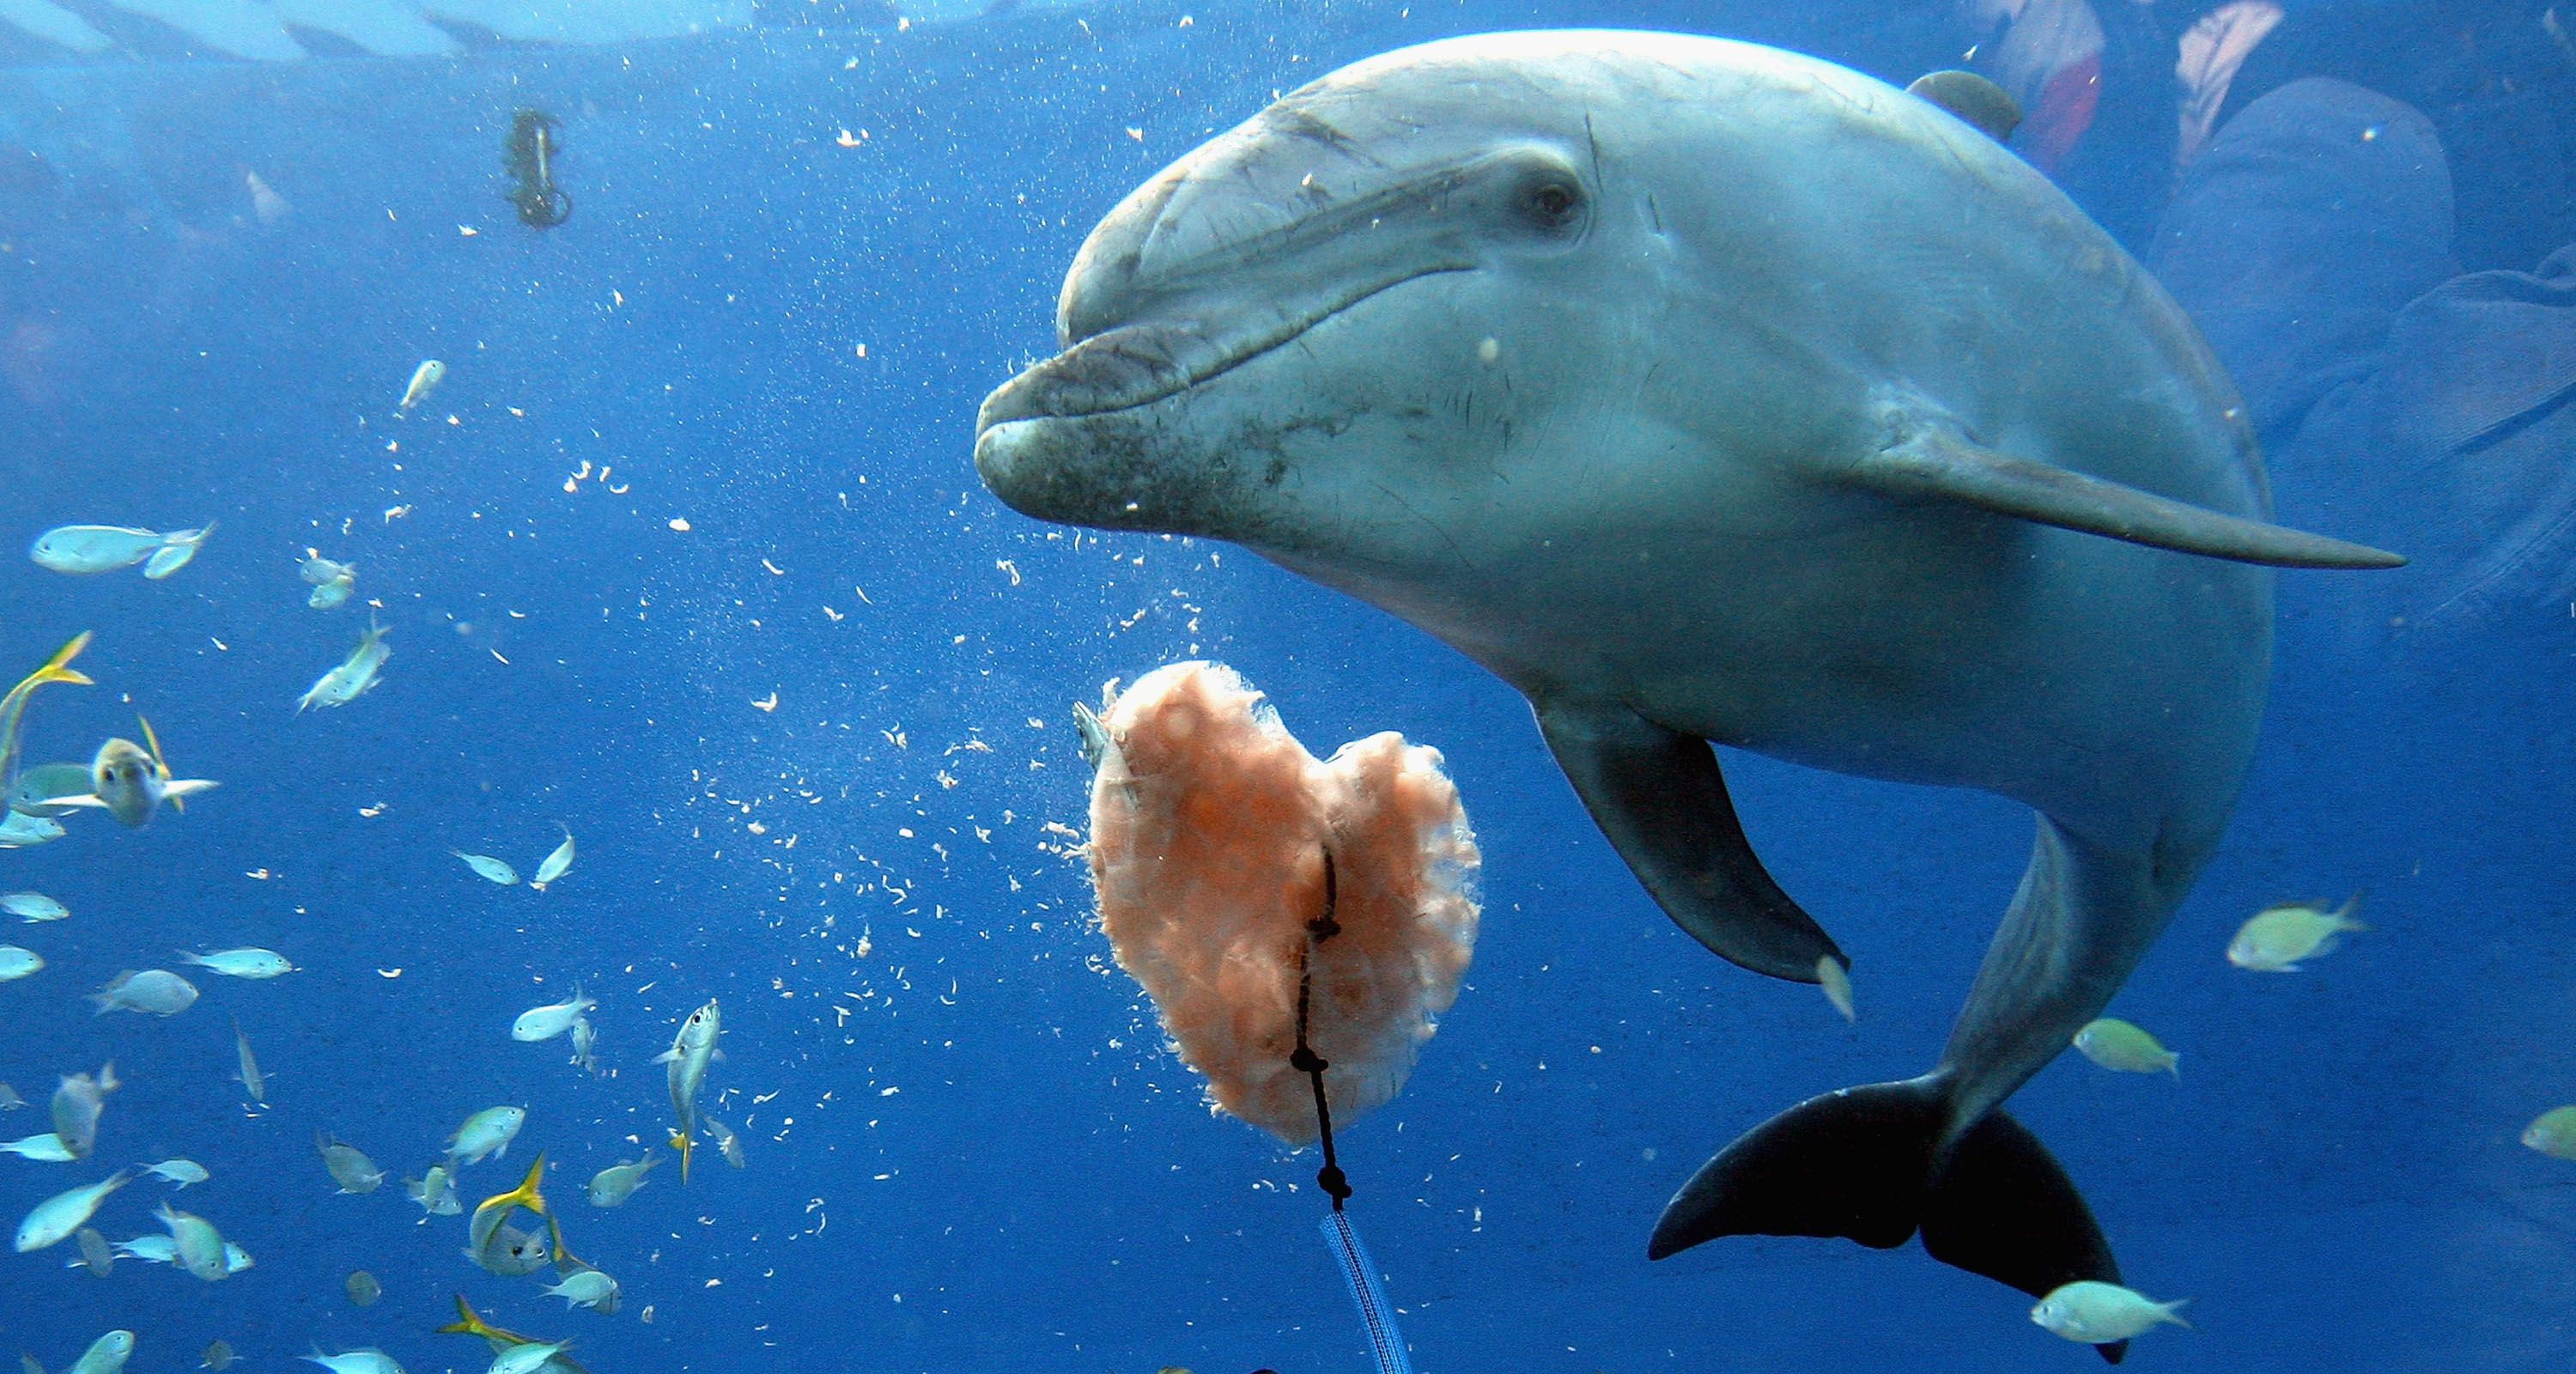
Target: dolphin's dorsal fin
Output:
[
  {"x": 1929, "y": 460},
  {"x": 1971, "y": 97}
]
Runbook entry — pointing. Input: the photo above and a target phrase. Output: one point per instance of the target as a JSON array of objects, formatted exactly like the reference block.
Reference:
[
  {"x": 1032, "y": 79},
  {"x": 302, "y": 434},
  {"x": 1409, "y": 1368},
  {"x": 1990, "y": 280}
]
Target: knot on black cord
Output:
[
  {"x": 1304, "y": 1060},
  {"x": 1331, "y": 1179}
]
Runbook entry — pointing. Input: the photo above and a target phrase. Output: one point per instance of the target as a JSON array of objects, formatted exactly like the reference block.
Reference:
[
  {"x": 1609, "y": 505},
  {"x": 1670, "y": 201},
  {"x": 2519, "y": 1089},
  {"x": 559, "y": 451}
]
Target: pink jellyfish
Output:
[{"x": 1216, "y": 842}]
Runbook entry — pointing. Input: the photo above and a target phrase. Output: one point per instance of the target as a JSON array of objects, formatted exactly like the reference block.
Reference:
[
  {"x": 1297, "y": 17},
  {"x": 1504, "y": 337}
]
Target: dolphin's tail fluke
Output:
[{"x": 1867, "y": 1164}]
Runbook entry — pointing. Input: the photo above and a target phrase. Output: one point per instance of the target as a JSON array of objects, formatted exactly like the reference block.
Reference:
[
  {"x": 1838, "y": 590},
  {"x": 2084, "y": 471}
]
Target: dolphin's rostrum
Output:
[{"x": 1709, "y": 393}]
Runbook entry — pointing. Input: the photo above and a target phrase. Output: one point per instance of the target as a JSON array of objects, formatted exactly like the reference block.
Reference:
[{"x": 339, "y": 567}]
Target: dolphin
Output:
[{"x": 1710, "y": 393}]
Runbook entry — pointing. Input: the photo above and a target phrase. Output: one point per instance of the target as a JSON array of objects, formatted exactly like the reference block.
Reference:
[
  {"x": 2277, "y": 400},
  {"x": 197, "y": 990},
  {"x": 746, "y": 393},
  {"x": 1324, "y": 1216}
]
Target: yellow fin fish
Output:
[
  {"x": 493, "y": 1210},
  {"x": 13, "y": 707}
]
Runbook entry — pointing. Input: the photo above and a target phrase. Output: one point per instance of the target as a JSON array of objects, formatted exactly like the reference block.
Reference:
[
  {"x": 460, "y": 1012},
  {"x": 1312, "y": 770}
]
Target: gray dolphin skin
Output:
[{"x": 1707, "y": 392}]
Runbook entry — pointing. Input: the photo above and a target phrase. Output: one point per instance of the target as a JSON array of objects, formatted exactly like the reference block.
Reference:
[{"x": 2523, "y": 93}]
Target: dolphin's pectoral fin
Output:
[
  {"x": 1657, "y": 794},
  {"x": 1928, "y": 460},
  {"x": 1866, "y": 1164}
]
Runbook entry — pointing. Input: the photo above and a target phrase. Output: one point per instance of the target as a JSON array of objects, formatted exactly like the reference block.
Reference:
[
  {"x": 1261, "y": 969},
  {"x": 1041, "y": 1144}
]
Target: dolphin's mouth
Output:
[{"x": 1139, "y": 364}]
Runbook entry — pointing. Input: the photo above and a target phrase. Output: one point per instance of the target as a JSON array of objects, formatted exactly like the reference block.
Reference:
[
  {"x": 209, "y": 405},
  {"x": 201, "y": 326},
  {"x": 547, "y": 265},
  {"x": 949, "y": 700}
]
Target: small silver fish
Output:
[
  {"x": 584, "y": 1042},
  {"x": 39, "y": 790},
  {"x": 349, "y": 1165},
  {"x": 332, "y": 595},
  {"x": 33, "y": 907},
  {"x": 424, "y": 380},
  {"x": 729, "y": 1143},
  {"x": 584, "y": 1288},
  {"x": 178, "y": 1173},
  {"x": 44, "y": 1149},
  {"x": 321, "y": 572},
  {"x": 363, "y": 1288},
  {"x": 54, "y": 1219},
  {"x": 556, "y": 864},
  {"x": 248, "y": 962},
  {"x": 436, "y": 1192},
  {"x": 106, "y": 1355},
  {"x": 19, "y": 830},
  {"x": 546, "y": 1022},
  {"x": 488, "y": 868},
  {"x": 692, "y": 1050},
  {"x": 78, "y": 1102},
  {"x": 95, "y": 1256},
  {"x": 156, "y": 991},
  {"x": 355, "y": 676},
  {"x": 82, "y": 550},
  {"x": 485, "y": 1134},
  {"x": 610, "y": 1187},
  {"x": 252, "y": 1080},
  {"x": 179, "y": 550},
  {"x": 200, "y": 1247}
]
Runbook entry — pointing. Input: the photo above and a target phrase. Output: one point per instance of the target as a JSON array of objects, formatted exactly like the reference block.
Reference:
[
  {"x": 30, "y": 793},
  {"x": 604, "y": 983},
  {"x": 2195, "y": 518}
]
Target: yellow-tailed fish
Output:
[
  {"x": 493, "y": 1210},
  {"x": 692, "y": 1050},
  {"x": 13, "y": 707}
]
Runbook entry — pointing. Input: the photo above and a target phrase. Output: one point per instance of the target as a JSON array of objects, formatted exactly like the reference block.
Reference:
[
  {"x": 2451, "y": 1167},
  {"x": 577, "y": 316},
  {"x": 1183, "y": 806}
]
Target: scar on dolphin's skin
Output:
[{"x": 1999, "y": 526}]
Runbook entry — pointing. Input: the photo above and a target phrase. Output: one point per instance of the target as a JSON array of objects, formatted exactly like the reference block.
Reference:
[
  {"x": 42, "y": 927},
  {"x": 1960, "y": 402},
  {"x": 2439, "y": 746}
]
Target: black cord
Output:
[{"x": 1330, "y": 1178}]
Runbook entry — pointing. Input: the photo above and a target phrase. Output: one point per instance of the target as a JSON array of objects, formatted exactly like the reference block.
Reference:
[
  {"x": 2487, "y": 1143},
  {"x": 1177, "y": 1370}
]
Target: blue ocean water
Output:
[{"x": 687, "y": 554}]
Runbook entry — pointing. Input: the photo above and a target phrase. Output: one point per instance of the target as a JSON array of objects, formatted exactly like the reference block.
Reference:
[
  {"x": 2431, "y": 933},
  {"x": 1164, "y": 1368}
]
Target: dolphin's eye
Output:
[{"x": 1552, "y": 203}]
